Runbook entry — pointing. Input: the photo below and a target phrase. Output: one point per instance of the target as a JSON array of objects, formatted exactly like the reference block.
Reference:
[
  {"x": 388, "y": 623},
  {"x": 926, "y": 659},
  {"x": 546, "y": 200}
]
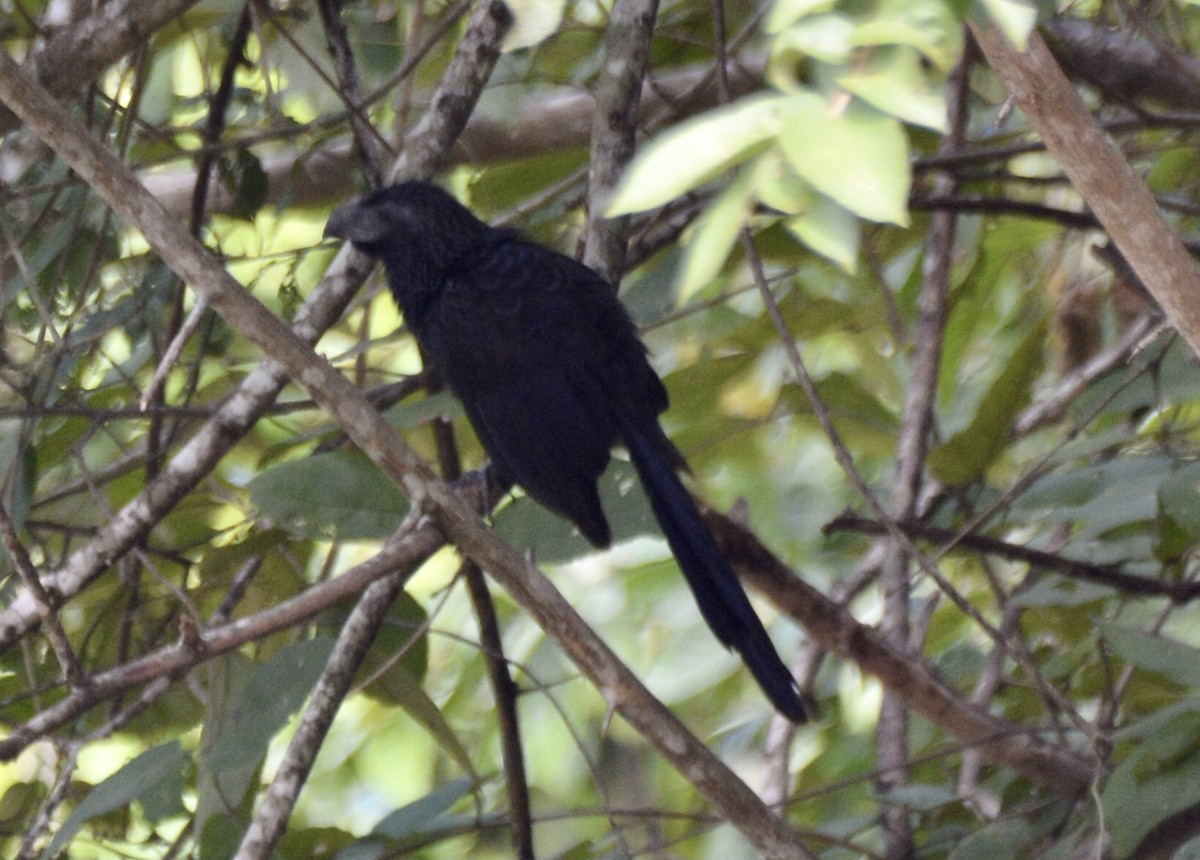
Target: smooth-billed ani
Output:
[{"x": 551, "y": 373}]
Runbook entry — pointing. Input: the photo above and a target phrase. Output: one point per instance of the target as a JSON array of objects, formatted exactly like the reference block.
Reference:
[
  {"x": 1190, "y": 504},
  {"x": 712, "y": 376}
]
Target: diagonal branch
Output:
[
  {"x": 1101, "y": 174},
  {"x": 74, "y": 56},
  {"x": 913, "y": 681}
]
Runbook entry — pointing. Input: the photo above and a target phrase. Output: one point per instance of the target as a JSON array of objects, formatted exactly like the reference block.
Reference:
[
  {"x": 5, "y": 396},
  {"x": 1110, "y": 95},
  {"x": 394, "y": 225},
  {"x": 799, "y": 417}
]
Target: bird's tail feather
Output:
[{"x": 718, "y": 593}]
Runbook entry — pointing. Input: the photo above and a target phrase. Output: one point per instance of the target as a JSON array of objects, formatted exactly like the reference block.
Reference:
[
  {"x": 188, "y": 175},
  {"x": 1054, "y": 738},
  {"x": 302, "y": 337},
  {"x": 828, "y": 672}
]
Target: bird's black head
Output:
[{"x": 411, "y": 219}]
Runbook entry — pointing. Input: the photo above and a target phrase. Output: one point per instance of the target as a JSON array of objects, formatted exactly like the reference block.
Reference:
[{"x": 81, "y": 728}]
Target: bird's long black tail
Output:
[{"x": 719, "y": 595}]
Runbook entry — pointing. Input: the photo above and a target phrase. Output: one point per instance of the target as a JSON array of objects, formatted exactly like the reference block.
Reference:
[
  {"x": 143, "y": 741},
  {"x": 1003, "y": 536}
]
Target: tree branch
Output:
[
  {"x": 74, "y": 56},
  {"x": 1112, "y": 189},
  {"x": 832, "y": 626},
  {"x": 614, "y": 130}
]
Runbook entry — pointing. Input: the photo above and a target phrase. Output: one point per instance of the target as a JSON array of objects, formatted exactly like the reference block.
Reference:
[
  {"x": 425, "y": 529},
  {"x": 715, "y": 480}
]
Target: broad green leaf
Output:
[
  {"x": 896, "y": 84},
  {"x": 830, "y": 230},
  {"x": 1059, "y": 591},
  {"x": 154, "y": 777},
  {"x": 999, "y": 840},
  {"x": 342, "y": 494},
  {"x": 312, "y": 843},
  {"x": 930, "y": 26},
  {"x": 1139, "y": 794},
  {"x": 406, "y": 690},
  {"x": 274, "y": 690},
  {"x": 696, "y": 152},
  {"x": 416, "y": 816},
  {"x": 851, "y": 152},
  {"x": 248, "y": 703},
  {"x": 714, "y": 237},
  {"x": 778, "y": 186},
  {"x": 1172, "y": 169},
  {"x": 922, "y": 797},
  {"x": 825, "y": 38},
  {"x": 1167, "y": 657},
  {"x": 1101, "y": 497},
  {"x": 965, "y": 456},
  {"x": 401, "y": 644}
]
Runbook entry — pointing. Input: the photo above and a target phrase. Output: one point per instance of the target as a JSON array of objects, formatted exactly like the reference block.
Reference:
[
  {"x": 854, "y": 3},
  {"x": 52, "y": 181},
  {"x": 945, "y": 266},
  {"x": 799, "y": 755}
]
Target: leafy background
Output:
[{"x": 833, "y": 140}]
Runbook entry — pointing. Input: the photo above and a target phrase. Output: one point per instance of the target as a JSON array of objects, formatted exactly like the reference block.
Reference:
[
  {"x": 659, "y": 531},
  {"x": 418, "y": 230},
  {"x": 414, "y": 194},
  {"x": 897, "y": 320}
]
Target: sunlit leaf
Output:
[
  {"x": 933, "y": 27},
  {"x": 533, "y": 21},
  {"x": 896, "y": 84},
  {"x": 697, "y": 151},
  {"x": 153, "y": 777},
  {"x": 824, "y": 37},
  {"x": 715, "y": 236},
  {"x": 851, "y": 152},
  {"x": 830, "y": 230}
]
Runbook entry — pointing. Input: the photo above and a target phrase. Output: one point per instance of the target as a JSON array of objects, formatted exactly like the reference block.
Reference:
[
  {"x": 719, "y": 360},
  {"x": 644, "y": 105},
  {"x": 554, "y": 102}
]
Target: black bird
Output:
[{"x": 551, "y": 373}]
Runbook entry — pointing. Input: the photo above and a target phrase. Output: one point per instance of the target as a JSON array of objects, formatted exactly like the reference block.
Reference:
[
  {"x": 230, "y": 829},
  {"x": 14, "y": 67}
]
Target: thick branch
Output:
[
  {"x": 1101, "y": 174},
  {"x": 73, "y": 57},
  {"x": 832, "y": 626}
]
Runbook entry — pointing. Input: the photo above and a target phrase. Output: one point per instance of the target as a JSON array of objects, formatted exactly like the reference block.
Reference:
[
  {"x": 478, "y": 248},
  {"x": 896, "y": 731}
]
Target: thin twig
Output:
[
  {"x": 67, "y": 660},
  {"x": 1101, "y": 574},
  {"x": 372, "y": 147}
]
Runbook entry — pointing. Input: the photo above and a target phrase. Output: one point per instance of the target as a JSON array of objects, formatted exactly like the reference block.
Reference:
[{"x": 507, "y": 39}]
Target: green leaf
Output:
[
  {"x": 965, "y": 456},
  {"x": 716, "y": 234},
  {"x": 830, "y": 230},
  {"x": 242, "y": 727},
  {"x": 406, "y": 690},
  {"x": 999, "y": 840},
  {"x": 1167, "y": 657},
  {"x": 342, "y": 492},
  {"x": 1101, "y": 497},
  {"x": 825, "y": 38},
  {"x": 930, "y": 26},
  {"x": 154, "y": 777},
  {"x": 896, "y": 84},
  {"x": 416, "y": 816},
  {"x": 697, "y": 151},
  {"x": 852, "y": 153},
  {"x": 1139, "y": 794},
  {"x": 533, "y": 22},
  {"x": 922, "y": 797},
  {"x": 313, "y": 843}
]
